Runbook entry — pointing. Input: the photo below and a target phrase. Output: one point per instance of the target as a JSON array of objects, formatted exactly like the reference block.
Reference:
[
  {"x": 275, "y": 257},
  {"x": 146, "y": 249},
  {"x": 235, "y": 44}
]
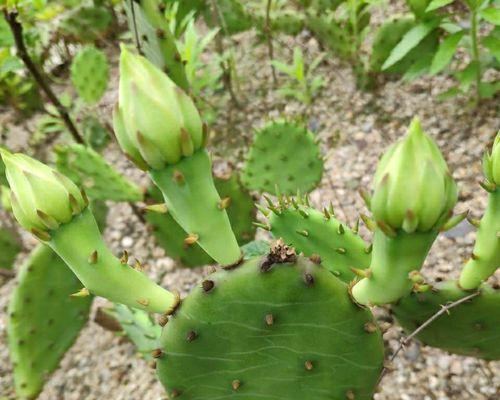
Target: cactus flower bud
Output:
[
  {"x": 156, "y": 123},
  {"x": 413, "y": 188},
  {"x": 41, "y": 197},
  {"x": 491, "y": 163}
]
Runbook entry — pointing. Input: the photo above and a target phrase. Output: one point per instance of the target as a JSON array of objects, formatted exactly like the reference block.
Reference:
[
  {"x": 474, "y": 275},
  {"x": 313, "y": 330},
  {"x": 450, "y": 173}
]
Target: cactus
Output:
[
  {"x": 44, "y": 319},
  {"x": 413, "y": 197},
  {"x": 317, "y": 233},
  {"x": 172, "y": 238},
  {"x": 10, "y": 246},
  {"x": 139, "y": 328},
  {"x": 155, "y": 39},
  {"x": 89, "y": 170},
  {"x": 240, "y": 324},
  {"x": 485, "y": 258},
  {"x": 159, "y": 128},
  {"x": 470, "y": 329},
  {"x": 50, "y": 206},
  {"x": 389, "y": 35},
  {"x": 90, "y": 73},
  {"x": 285, "y": 155}
]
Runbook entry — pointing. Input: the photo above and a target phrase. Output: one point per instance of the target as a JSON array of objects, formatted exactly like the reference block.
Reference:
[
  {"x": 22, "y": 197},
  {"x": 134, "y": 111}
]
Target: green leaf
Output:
[
  {"x": 491, "y": 15},
  {"x": 282, "y": 67},
  {"x": 419, "y": 68},
  {"x": 409, "y": 41},
  {"x": 435, "y": 4},
  {"x": 492, "y": 43},
  {"x": 453, "y": 92},
  {"x": 467, "y": 76},
  {"x": 445, "y": 52},
  {"x": 488, "y": 89}
]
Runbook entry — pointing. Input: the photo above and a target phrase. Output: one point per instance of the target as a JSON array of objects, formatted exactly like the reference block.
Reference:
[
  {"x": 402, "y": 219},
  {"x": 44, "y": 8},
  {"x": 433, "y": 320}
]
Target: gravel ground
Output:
[{"x": 354, "y": 128}]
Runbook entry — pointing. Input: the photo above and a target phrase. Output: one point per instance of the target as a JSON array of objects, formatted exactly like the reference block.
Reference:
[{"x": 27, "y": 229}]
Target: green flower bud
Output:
[
  {"x": 156, "y": 123},
  {"x": 41, "y": 197},
  {"x": 491, "y": 163},
  {"x": 413, "y": 188}
]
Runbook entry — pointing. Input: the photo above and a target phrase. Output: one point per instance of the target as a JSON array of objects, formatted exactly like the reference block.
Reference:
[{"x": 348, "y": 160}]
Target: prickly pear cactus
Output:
[
  {"x": 317, "y": 233},
  {"x": 155, "y": 39},
  {"x": 139, "y": 327},
  {"x": 283, "y": 154},
  {"x": 90, "y": 171},
  {"x": 10, "y": 246},
  {"x": 279, "y": 313},
  {"x": 90, "y": 73},
  {"x": 469, "y": 329},
  {"x": 389, "y": 35},
  {"x": 172, "y": 238},
  {"x": 44, "y": 320},
  {"x": 85, "y": 24}
]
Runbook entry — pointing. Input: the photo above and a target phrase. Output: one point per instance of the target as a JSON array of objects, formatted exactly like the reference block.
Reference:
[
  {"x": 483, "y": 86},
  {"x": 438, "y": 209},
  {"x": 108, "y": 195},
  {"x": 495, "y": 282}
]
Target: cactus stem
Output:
[
  {"x": 94, "y": 257},
  {"x": 157, "y": 208},
  {"x": 269, "y": 319},
  {"x": 191, "y": 239},
  {"x": 308, "y": 365},
  {"x": 224, "y": 203},
  {"x": 341, "y": 250},
  {"x": 84, "y": 292},
  {"x": 302, "y": 232},
  {"x": 42, "y": 235}
]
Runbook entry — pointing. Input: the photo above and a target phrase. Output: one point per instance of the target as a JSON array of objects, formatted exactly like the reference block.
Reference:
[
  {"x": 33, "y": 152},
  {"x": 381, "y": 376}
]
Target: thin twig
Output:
[
  {"x": 226, "y": 69},
  {"x": 444, "y": 309},
  {"x": 136, "y": 32},
  {"x": 22, "y": 52},
  {"x": 269, "y": 35}
]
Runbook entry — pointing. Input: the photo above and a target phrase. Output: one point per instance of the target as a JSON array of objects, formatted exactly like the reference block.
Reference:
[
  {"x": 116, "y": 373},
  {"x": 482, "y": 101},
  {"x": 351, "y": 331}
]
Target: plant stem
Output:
[
  {"x": 22, "y": 52},
  {"x": 269, "y": 36},
  {"x": 475, "y": 53}
]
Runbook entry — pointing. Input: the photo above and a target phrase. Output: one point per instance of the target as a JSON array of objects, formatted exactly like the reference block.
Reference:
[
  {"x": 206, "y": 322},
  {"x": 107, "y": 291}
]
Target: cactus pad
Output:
[
  {"x": 275, "y": 327},
  {"x": 90, "y": 171},
  {"x": 139, "y": 327},
  {"x": 10, "y": 246},
  {"x": 283, "y": 154},
  {"x": 44, "y": 320},
  {"x": 90, "y": 73},
  {"x": 170, "y": 235},
  {"x": 314, "y": 232},
  {"x": 155, "y": 39},
  {"x": 471, "y": 328}
]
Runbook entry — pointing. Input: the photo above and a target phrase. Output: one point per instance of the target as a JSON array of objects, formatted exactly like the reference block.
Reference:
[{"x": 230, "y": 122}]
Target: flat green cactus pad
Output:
[
  {"x": 10, "y": 246},
  {"x": 90, "y": 73},
  {"x": 44, "y": 320},
  {"x": 270, "y": 331},
  {"x": 470, "y": 329},
  {"x": 139, "y": 327},
  {"x": 313, "y": 232},
  {"x": 170, "y": 235},
  {"x": 89, "y": 170},
  {"x": 283, "y": 154},
  {"x": 389, "y": 35}
]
